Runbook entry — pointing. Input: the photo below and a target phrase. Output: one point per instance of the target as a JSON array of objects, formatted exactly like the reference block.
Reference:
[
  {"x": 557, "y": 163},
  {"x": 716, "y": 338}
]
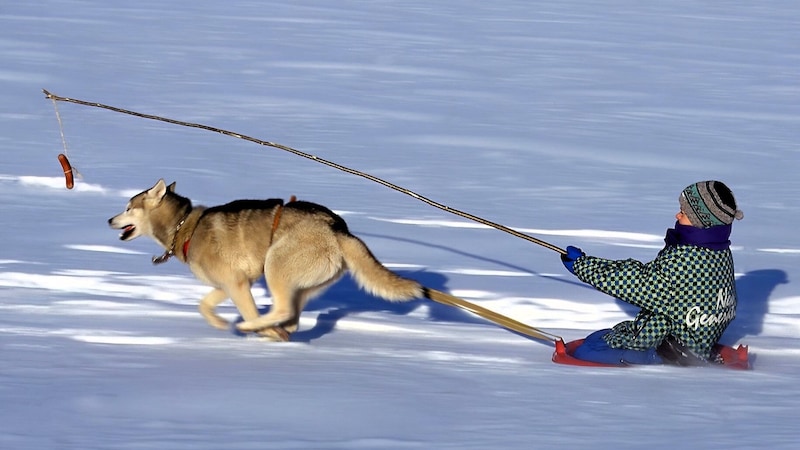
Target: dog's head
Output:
[{"x": 137, "y": 218}]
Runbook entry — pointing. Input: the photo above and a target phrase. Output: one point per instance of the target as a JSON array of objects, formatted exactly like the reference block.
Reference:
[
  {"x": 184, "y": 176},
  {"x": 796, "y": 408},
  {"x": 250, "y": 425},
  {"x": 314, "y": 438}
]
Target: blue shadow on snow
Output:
[{"x": 753, "y": 290}]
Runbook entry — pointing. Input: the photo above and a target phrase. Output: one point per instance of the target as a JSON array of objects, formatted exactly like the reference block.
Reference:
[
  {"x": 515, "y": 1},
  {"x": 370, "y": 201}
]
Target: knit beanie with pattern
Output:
[{"x": 708, "y": 204}]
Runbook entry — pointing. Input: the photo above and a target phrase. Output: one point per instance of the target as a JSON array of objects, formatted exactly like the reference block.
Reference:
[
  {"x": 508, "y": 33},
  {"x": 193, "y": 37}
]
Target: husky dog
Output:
[{"x": 301, "y": 248}]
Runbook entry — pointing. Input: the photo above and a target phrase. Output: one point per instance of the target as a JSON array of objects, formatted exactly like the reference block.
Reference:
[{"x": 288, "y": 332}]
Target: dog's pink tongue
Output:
[{"x": 126, "y": 232}]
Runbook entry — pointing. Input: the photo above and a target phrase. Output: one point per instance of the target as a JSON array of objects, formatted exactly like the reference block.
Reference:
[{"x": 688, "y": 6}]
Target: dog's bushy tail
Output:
[{"x": 374, "y": 277}]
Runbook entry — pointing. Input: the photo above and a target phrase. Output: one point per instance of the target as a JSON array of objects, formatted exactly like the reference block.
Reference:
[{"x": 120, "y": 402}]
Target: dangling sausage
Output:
[{"x": 67, "y": 167}]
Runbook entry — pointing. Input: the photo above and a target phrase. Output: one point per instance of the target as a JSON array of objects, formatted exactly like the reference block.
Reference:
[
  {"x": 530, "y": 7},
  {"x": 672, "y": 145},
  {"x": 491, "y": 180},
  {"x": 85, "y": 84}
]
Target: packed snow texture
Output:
[{"x": 575, "y": 121}]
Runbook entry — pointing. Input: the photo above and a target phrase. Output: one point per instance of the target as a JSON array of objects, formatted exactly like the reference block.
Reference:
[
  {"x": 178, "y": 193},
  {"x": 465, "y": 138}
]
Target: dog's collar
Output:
[
  {"x": 186, "y": 249},
  {"x": 171, "y": 251}
]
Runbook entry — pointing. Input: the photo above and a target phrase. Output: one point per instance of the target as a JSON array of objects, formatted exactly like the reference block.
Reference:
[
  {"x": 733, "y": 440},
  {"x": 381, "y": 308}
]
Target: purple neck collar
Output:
[{"x": 712, "y": 238}]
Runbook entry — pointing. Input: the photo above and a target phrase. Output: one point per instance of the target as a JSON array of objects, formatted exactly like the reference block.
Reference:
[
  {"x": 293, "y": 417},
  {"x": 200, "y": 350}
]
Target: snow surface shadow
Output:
[{"x": 753, "y": 290}]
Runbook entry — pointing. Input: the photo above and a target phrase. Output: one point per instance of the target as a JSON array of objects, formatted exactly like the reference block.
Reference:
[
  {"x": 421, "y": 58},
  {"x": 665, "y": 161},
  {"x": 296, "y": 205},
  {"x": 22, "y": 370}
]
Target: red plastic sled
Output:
[{"x": 729, "y": 357}]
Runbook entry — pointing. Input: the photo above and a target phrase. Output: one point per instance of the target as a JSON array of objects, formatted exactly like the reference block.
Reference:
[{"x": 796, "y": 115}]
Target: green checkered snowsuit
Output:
[{"x": 687, "y": 291}]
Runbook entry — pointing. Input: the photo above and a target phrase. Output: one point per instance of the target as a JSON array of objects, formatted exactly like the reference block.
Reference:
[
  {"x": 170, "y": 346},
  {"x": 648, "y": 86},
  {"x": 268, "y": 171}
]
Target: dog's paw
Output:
[{"x": 275, "y": 334}]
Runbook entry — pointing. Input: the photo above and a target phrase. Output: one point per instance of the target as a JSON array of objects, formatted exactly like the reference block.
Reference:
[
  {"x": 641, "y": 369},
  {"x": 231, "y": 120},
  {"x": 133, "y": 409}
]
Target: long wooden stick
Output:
[{"x": 317, "y": 159}]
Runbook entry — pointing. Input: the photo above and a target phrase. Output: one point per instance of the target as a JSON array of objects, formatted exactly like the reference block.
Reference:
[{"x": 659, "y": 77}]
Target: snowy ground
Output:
[{"x": 575, "y": 121}]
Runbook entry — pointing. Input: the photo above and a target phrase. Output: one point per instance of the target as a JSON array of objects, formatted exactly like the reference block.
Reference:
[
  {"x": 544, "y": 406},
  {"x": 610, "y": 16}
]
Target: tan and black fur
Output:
[{"x": 301, "y": 248}]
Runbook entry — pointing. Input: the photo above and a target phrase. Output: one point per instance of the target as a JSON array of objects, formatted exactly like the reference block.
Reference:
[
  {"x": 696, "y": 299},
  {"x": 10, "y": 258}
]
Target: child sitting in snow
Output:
[{"x": 687, "y": 295}]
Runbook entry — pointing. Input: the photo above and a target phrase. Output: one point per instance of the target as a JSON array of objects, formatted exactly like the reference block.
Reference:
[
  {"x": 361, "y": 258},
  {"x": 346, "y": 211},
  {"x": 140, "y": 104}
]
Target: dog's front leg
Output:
[
  {"x": 243, "y": 299},
  {"x": 208, "y": 307}
]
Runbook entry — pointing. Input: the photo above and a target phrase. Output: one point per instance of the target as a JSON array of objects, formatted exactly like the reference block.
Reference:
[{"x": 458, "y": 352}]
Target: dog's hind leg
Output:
[
  {"x": 295, "y": 270},
  {"x": 306, "y": 295},
  {"x": 207, "y": 308}
]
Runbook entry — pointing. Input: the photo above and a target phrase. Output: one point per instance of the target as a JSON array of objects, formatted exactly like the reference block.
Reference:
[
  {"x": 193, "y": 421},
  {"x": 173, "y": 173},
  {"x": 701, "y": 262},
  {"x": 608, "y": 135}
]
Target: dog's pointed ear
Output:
[
  {"x": 171, "y": 187},
  {"x": 159, "y": 190}
]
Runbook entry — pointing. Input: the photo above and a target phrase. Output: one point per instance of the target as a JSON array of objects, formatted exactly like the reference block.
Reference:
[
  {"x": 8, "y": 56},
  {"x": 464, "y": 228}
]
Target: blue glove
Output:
[{"x": 573, "y": 253}]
